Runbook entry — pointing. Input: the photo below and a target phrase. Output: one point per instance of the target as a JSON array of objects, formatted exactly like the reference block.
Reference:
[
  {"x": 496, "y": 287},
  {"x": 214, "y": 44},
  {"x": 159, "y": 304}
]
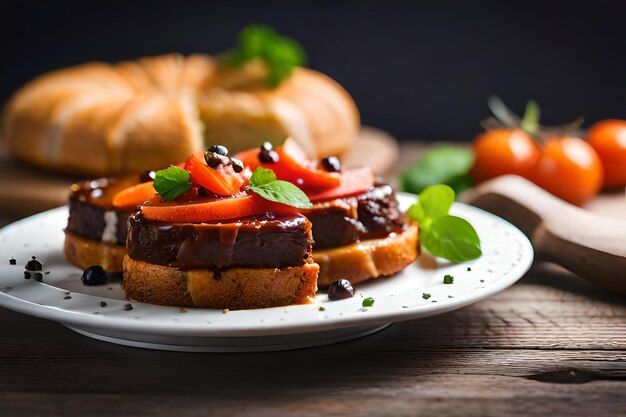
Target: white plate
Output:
[{"x": 102, "y": 312}]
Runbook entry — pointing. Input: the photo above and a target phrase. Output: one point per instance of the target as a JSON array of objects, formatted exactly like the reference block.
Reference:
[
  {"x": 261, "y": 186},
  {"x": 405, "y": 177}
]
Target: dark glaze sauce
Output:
[
  {"x": 371, "y": 215},
  {"x": 257, "y": 242}
]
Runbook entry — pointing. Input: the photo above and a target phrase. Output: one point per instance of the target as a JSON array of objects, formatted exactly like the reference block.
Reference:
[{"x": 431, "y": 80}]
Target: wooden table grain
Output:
[{"x": 551, "y": 344}]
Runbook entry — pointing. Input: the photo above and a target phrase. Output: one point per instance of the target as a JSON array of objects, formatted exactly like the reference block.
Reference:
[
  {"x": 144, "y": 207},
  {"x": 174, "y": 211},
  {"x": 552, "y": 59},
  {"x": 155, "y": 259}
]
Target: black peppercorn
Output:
[
  {"x": 339, "y": 290},
  {"x": 34, "y": 265},
  {"x": 94, "y": 275},
  {"x": 218, "y": 149},
  {"x": 268, "y": 155},
  {"x": 237, "y": 164},
  {"x": 214, "y": 159},
  {"x": 331, "y": 164}
]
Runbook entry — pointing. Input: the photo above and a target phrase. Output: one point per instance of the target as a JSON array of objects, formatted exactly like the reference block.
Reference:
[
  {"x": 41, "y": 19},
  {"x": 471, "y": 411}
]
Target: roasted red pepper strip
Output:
[
  {"x": 210, "y": 210},
  {"x": 293, "y": 166},
  {"x": 222, "y": 180},
  {"x": 353, "y": 181}
]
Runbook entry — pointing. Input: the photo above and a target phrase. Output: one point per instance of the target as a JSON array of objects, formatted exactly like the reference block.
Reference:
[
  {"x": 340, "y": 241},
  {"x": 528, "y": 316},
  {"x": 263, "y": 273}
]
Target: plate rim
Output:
[{"x": 372, "y": 317}]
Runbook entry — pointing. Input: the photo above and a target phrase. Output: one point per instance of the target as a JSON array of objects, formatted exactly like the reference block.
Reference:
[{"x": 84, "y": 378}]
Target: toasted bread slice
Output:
[
  {"x": 84, "y": 253},
  {"x": 368, "y": 259},
  {"x": 232, "y": 288}
]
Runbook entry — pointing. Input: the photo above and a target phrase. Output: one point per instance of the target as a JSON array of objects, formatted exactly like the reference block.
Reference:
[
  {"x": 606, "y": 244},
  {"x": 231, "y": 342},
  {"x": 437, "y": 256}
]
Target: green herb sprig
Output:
[
  {"x": 170, "y": 183},
  {"x": 442, "y": 234},
  {"x": 280, "y": 54},
  {"x": 264, "y": 183}
]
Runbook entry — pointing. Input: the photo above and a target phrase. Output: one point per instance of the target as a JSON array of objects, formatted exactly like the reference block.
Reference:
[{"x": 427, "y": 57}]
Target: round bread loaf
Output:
[{"x": 102, "y": 119}]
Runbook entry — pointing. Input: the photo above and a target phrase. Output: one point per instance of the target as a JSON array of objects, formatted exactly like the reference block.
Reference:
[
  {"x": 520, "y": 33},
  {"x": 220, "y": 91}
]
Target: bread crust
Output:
[
  {"x": 101, "y": 119},
  {"x": 231, "y": 288},
  {"x": 368, "y": 259},
  {"x": 84, "y": 253}
]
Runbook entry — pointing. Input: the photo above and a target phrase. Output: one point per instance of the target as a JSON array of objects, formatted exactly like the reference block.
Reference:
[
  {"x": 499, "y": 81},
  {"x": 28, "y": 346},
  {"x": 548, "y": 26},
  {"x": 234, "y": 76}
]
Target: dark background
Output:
[{"x": 417, "y": 69}]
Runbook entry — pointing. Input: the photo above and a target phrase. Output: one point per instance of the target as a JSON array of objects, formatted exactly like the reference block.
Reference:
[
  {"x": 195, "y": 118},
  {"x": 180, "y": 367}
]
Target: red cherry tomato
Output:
[
  {"x": 293, "y": 166},
  {"x": 570, "y": 169},
  {"x": 608, "y": 138},
  {"x": 504, "y": 151}
]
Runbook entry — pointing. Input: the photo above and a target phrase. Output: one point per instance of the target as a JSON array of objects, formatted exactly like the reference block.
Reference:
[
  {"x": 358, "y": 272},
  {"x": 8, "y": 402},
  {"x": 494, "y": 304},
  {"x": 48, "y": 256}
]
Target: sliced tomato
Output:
[
  {"x": 210, "y": 210},
  {"x": 353, "y": 181},
  {"x": 222, "y": 180},
  {"x": 134, "y": 196},
  {"x": 293, "y": 166}
]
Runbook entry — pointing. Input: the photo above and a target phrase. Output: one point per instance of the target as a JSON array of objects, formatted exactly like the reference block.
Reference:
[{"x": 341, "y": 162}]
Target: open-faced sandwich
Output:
[
  {"x": 96, "y": 228},
  {"x": 210, "y": 233},
  {"x": 217, "y": 236},
  {"x": 359, "y": 231}
]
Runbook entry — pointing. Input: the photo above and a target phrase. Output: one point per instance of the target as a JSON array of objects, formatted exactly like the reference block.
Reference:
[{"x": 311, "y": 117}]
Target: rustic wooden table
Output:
[{"x": 551, "y": 344}]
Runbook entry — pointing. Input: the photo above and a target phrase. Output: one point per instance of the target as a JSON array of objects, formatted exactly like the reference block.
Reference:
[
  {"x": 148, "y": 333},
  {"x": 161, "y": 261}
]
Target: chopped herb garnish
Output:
[
  {"x": 482, "y": 280},
  {"x": 426, "y": 296},
  {"x": 469, "y": 269},
  {"x": 280, "y": 54},
  {"x": 170, "y": 183},
  {"x": 183, "y": 310},
  {"x": 368, "y": 302},
  {"x": 448, "y": 279},
  {"x": 264, "y": 183},
  {"x": 442, "y": 234},
  {"x": 321, "y": 308}
]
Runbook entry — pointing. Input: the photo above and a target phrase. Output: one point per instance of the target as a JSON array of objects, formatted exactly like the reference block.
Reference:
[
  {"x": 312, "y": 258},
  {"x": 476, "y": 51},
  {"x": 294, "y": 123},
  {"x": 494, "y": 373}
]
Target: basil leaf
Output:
[
  {"x": 262, "y": 176},
  {"x": 452, "y": 238},
  {"x": 442, "y": 165},
  {"x": 436, "y": 200},
  {"x": 416, "y": 212},
  {"x": 282, "y": 192},
  {"x": 264, "y": 183},
  {"x": 170, "y": 183}
]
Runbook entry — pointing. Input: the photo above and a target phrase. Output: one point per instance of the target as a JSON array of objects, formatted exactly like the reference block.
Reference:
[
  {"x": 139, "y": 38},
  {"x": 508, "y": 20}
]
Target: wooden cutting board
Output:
[{"x": 26, "y": 190}]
